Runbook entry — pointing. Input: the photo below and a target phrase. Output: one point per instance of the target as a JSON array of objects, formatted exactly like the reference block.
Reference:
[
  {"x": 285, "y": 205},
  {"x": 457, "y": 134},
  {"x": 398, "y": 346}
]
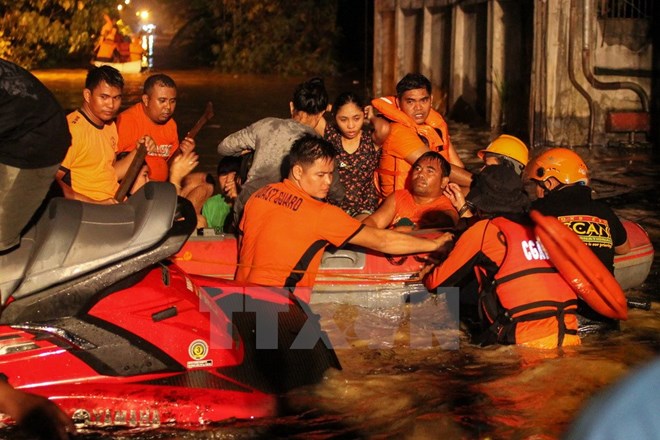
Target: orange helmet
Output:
[
  {"x": 562, "y": 164},
  {"x": 507, "y": 146}
]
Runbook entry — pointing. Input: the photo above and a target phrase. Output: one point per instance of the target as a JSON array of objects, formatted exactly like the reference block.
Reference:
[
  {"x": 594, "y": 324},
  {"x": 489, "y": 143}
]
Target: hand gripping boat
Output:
[
  {"x": 97, "y": 320},
  {"x": 366, "y": 277}
]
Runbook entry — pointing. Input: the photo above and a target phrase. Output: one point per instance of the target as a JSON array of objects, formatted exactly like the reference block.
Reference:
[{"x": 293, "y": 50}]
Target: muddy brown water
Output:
[{"x": 396, "y": 381}]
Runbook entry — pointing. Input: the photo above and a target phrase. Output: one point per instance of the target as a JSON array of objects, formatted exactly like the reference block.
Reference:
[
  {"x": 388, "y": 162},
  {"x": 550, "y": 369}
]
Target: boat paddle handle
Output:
[
  {"x": 131, "y": 173},
  {"x": 208, "y": 114}
]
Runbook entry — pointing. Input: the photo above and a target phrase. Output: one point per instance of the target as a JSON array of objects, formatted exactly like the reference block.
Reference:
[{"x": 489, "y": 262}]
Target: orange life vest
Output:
[
  {"x": 527, "y": 299},
  {"x": 393, "y": 166}
]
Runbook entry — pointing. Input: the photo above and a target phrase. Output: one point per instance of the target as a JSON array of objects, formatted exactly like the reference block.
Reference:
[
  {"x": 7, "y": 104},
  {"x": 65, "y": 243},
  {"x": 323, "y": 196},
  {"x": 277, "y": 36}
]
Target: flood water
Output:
[{"x": 397, "y": 382}]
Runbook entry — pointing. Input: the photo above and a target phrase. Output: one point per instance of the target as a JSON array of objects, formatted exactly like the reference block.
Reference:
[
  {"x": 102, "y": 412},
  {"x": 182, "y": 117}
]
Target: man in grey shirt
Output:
[{"x": 271, "y": 138}]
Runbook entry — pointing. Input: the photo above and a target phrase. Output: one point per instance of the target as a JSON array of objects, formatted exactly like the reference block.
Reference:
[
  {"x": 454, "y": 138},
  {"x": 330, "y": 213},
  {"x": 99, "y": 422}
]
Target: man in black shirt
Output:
[
  {"x": 34, "y": 138},
  {"x": 562, "y": 188}
]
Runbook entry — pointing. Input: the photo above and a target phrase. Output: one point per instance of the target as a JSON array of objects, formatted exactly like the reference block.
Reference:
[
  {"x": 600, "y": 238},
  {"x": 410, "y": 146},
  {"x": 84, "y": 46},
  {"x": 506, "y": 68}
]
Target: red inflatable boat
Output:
[{"x": 346, "y": 272}]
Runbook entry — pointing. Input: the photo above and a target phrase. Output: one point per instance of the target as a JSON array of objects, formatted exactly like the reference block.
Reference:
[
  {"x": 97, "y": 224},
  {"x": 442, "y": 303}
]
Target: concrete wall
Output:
[
  {"x": 517, "y": 65},
  {"x": 566, "y": 110}
]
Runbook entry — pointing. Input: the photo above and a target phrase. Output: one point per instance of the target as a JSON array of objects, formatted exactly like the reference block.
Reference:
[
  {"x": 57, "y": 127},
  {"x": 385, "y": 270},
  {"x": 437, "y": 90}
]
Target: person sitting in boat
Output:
[
  {"x": 180, "y": 167},
  {"x": 504, "y": 150},
  {"x": 106, "y": 48},
  {"x": 423, "y": 205},
  {"x": 153, "y": 116},
  {"x": 270, "y": 139},
  {"x": 415, "y": 128},
  {"x": 109, "y": 30},
  {"x": 562, "y": 188},
  {"x": 358, "y": 153},
  {"x": 217, "y": 209},
  {"x": 287, "y": 225},
  {"x": 90, "y": 171},
  {"x": 523, "y": 299},
  {"x": 508, "y": 150}
]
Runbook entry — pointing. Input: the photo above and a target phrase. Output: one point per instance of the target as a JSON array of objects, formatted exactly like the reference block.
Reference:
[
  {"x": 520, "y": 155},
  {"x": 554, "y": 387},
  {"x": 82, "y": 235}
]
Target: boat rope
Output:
[{"x": 379, "y": 278}]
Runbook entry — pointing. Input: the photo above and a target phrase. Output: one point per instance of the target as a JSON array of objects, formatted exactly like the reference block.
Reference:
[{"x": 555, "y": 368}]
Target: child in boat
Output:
[{"x": 217, "y": 209}]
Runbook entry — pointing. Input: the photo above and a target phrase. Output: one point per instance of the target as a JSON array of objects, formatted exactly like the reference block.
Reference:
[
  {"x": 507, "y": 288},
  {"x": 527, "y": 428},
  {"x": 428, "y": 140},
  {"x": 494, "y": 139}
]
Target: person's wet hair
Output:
[
  {"x": 347, "y": 98},
  {"x": 158, "y": 79},
  {"x": 229, "y": 164},
  {"x": 310, "y": 97},
  {"x": 445, "y": 167},
  {"x": 309, "y": 148},
  {"x": 109, "y": 74},
  {"x": 413, "y": 81}
]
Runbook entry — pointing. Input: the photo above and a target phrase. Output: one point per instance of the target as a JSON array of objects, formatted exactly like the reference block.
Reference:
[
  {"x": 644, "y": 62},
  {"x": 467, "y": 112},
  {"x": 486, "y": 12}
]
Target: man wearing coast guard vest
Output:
[
  {"x": 287, "y": 225},
  {"x": 522, "y": 298}
]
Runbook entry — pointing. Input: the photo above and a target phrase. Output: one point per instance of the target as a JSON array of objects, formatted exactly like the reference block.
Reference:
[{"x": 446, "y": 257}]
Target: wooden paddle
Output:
[
  {"x": 208, "y": 114},
  {"x": 131, "y": 173}
]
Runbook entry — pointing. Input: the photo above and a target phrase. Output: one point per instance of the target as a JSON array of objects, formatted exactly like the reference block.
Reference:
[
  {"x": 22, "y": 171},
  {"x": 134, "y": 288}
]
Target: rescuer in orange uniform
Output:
[
  {"x": 562, "y": 188},
  {"x": 522, "y": 298}
]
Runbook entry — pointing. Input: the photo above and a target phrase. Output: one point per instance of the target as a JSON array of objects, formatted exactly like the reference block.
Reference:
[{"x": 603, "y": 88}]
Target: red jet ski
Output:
[{"x": 98, "y": 320}]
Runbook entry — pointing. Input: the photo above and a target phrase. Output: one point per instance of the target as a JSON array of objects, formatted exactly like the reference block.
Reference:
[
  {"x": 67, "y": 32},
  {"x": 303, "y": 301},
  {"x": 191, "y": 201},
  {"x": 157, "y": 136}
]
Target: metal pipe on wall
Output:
[
  {"x": 571, "y": 73},
  {"x": 586, "y": 65}
]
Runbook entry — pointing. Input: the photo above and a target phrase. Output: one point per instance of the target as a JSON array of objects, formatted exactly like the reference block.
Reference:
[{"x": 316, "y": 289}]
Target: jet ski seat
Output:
[{"x": 73, "y": 238}]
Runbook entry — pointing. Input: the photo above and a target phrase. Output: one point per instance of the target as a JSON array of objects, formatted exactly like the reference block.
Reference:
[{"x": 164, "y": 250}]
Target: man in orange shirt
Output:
[
  {"x": 415, "y": 128},
  {"x": 287, "y": 225},
  {"x": 153, "y": 116},
  {"x": 424, "y": 205}
]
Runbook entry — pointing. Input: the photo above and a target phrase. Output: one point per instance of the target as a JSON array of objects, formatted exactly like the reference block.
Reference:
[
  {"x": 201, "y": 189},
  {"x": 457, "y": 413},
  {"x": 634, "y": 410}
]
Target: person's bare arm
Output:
[
  {"x": 35, "y": 414},
  {"x": 383, "y": 216},
  {"x": 412, "y": 157},
  {"x": 181, "y": 165},
  {"x": 122, "y": 165},
  {"x": 69, "y": 193},
  {"x": 453, "y": 156},
  {"x": 460, "y": 176},
  {"x": 397, "y": 243},
  {"x": 455, "y": 195},
  {"x": 381, "y": 125}
]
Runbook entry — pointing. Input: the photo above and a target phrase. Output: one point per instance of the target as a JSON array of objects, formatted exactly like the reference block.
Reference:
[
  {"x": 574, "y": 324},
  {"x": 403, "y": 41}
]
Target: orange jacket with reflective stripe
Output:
[{"x": 523, "y": 299}]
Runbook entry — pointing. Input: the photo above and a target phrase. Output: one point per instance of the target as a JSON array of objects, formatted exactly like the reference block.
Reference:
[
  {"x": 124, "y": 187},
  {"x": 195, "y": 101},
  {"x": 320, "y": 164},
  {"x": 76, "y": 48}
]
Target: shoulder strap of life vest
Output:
[{"x": 503, "y": 321}]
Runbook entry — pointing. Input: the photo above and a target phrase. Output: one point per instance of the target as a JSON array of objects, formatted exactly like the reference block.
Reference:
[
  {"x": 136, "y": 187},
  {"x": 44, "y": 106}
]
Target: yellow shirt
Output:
[{"x": 91, "y": 157}]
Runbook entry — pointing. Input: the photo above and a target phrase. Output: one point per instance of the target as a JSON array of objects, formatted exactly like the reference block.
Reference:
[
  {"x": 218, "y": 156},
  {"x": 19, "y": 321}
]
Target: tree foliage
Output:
[
  {"x": 35, "y": 31},
  {"x": 261, "y": 36}
]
